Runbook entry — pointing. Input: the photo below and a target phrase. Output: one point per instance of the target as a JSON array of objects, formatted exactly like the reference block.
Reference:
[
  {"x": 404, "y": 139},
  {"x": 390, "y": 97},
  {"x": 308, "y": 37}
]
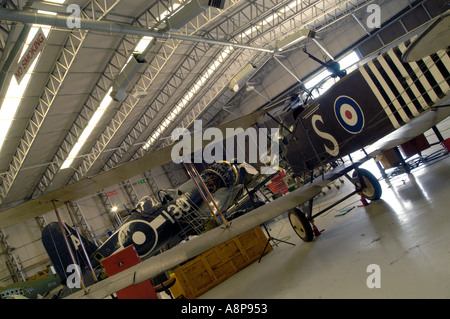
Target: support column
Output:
[{"x": 12, "y": 262}]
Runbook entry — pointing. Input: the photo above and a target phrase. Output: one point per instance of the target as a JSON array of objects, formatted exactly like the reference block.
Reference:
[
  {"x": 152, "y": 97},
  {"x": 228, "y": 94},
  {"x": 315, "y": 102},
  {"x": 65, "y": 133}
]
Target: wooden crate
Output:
[
  {"x": 207, "y": 270},
  {"x": 390, "y": 158}
]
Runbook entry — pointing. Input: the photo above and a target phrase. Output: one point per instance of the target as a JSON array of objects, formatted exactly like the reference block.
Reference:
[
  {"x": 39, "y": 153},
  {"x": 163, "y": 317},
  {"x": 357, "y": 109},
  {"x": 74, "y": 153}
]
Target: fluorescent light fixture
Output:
[
  {"x": 143, "y": 44},
  {"x": 140, "y": 47},
  {"x": 88, "y": 130},
  {"x": 234, "y": 83},
  {"x": 198, "y": 85},
  {"x": 145, "y": 41},
  {"x": 294, "y": 38},
  {"x": 15, "y": 91},
  {"x": 46, "y": 12},
  {"x": 181, "y": 17}
]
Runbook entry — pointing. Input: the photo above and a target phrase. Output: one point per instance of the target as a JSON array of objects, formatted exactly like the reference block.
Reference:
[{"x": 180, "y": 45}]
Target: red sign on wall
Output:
[
  {"x": 30, "y": 55},
  {"x": 112, "y": 193}
]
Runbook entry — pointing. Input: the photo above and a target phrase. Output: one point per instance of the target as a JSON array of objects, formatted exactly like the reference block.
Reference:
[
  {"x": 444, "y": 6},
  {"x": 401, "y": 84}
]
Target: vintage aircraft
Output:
[
  {"x": 383, "y": 95},
  {"x": 156, "y": 224},
  {"x": 380, "y": 97},
  {"x": 30, "y": 289}
]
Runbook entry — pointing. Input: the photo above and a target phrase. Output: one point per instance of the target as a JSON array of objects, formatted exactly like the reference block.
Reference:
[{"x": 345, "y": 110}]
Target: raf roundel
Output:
[
  {"x": 139, "y": 233},
  {"x": 349, "y": 114}
]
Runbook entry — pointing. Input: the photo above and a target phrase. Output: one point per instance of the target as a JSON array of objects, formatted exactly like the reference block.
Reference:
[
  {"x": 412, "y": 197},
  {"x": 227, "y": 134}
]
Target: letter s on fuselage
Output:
[{"x": 326, "y": 136}]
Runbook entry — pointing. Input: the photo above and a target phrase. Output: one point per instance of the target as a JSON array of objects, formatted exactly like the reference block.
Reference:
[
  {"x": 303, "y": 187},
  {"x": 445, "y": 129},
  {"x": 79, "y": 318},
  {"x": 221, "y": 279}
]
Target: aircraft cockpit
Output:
[{"x": 147, "y": 205}]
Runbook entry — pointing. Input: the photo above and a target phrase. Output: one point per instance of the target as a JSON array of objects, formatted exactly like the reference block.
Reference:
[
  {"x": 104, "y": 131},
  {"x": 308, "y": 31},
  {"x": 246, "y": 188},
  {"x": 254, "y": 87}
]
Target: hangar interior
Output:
[{"x": 94, "y": 99}]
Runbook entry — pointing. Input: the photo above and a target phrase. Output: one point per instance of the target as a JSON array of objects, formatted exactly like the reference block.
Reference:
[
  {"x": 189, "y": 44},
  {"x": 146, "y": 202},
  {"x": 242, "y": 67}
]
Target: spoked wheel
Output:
[
  {"x": 372, "y": 189},
  {"x": 301, "y": 225}
]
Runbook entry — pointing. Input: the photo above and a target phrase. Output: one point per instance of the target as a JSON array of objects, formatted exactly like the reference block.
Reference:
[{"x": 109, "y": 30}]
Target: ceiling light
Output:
[
  {"x": 46, "y": 12},
  {"x": 143, "y": 44},
  {"x": 186, "y": 14},
  {"x": 88, "y": 130},
  {"x": 234, "y": 83},
  {"x": 15, "y": 91},
  {"x": 294, "y": 38}
]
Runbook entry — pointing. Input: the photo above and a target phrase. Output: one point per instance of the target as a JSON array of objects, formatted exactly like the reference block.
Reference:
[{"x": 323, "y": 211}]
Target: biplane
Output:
[
  {"x": 384, "y": 96},
  {"x": 157, "y": 224}
]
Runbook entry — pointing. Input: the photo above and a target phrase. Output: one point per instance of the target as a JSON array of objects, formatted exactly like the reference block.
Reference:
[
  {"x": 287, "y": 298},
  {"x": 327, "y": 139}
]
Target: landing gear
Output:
[
  {"x": 365, "y": 184},
  {"x": 372, "y": 188},
  {"x": 301, "y": 225}
]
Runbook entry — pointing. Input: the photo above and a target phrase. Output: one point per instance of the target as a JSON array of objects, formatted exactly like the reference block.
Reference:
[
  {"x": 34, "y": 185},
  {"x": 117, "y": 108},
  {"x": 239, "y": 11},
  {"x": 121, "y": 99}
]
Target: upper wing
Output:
[
  {"x": 434, "y": 38},
  {"x": 91, "y": 185},
  {"x": 183, "y": 252}
]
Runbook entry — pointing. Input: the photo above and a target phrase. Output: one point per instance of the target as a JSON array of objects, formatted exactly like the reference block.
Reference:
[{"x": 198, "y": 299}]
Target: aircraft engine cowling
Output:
[{"x": 220, "y": 174}]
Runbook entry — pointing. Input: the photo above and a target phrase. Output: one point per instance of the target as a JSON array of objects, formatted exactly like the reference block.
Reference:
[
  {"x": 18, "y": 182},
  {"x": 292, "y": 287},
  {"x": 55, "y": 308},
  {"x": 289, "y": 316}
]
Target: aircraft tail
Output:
[{"x": 54, "y": 243}]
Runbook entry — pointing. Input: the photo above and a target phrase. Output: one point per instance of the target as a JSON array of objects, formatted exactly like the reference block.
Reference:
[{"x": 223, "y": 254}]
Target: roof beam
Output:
[
  {"x": 118, "y": 60},
  {"x": 56, "y": 78},
  {"x": 296, "y": 20},
  {"x": 111, "y": 27},
  {"x": 128, "y": 148},
  {"x": 143, "y": 84}
]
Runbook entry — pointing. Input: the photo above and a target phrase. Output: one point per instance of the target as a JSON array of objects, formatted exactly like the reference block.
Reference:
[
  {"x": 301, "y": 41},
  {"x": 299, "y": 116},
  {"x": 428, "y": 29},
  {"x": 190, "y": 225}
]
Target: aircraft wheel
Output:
[
  {"x": 301, "y": 225},
  {"x": 373, "y": 190}
]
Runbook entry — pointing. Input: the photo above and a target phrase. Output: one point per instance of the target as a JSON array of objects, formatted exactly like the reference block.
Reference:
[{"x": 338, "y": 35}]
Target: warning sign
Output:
[
  {"x": 30, "y": 55},
  {"x": 111, "y": 193}
]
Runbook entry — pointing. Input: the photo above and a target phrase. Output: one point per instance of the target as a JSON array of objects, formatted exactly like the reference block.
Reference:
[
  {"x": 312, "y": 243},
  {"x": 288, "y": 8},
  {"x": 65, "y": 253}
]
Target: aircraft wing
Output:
[
  {"x": 91, "y": 185},
  {"x": 192, "y": 248},
  {"x": 434, "y": 38},
  {"x": 409, "y": 131}
]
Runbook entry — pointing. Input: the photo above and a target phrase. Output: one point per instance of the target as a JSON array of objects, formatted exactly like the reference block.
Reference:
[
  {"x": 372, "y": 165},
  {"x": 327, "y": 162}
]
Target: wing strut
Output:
[
  {"x": 88, "y": 260},
  {"x": 192, "y": 171},
  {"x": 63, "y": 231}
]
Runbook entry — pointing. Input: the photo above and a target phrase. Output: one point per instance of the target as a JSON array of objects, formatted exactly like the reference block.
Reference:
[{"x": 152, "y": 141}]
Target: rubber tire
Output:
[
  {"x": 373, "y": 189},
  {"x": 301, "y": 225}
]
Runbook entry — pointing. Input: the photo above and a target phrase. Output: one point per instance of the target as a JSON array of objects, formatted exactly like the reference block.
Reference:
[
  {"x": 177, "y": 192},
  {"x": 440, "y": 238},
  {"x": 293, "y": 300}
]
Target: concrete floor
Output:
[{"x": 406, "y": 233}]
